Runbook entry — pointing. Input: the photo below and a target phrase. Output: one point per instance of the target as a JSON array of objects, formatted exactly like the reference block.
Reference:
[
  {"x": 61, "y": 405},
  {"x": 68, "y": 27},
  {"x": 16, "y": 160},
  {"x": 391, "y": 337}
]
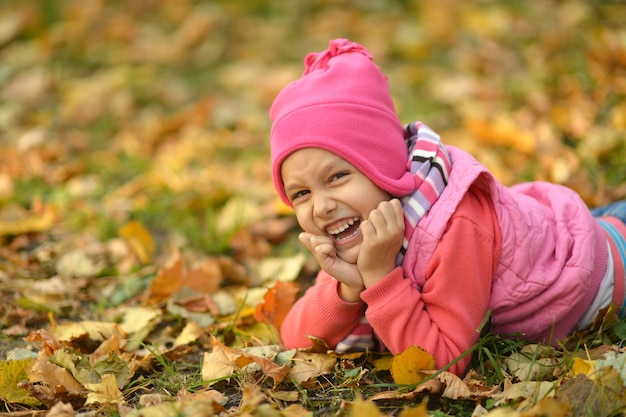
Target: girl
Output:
[{"x": 417, "y": 241}]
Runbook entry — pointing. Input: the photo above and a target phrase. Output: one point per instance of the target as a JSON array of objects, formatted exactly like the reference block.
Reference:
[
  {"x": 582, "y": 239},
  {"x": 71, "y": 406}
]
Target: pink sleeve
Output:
[
  {"x": 443, "y": 318},
  {"x": 320, "y": 313}
]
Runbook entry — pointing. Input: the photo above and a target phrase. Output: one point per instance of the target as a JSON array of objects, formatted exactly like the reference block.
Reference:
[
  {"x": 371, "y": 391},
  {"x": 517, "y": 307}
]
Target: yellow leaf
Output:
[
  {"x": 190, "y": 333},
  {"x": 504, "y": 131},
  {"x": 406, "y": 367},
  {"x": 11, "y": 373},
  {"x": 86, "y": 330},
  {"x": 419, "y": 411},
  {"x": 548, "y": 407},
  {"x": 140, "y": 240},
  {"x": 361, "y": 408},
  {"x": 105, "y": 392},
  {"x": 383, "y": 363},
  {"x": 16, "y": 221},
  {"x": 582, "y": 366},
  {"x": 137, "y": 322}
]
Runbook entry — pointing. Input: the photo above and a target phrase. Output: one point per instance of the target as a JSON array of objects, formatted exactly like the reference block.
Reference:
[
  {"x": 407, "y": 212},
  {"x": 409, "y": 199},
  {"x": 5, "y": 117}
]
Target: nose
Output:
[{"x": 324, "y": 204}]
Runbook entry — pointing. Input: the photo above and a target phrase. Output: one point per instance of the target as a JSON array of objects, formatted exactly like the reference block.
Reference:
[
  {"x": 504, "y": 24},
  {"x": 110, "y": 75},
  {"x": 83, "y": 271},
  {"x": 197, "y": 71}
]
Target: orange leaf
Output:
[
  {"x": 167, "y": 281},
  {"x": 269, "y": 368},
  {"x": 205, "y": 277},
  {"x": 276, "y": 303}
]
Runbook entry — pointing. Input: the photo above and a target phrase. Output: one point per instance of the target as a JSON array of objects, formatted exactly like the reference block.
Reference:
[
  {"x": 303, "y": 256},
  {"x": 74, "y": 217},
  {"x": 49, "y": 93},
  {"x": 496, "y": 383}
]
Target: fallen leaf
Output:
[
  {"x": 139, "y": 239},
  {"x": 268, "y": 367},
  {"x": 419, "y": 411},
  {"x": 11, "y": 373},
  {"x": 86, "y": 334},
  {"x": 276, "y": 303},
  {"x": 204, "y": 277},
  {"x": 281, "y": 269},
  {"x": 76, "y": 263},
  {"x": 407, "y": 366},
  {"x": 61, "y": 409},
  {"x": 196, "y": 408},
  {"x": 52, "y": 375},
  {"x": 533, "y": 363},
  {"x": 604, "y": 395},
  {"x": 219, "y": 363},
  {"x": 523, "y": 390},
  {"x": 308, "y": 366},
  {"x": 104, "y": 392},
  {"x": 360, "y": 408},
  {"x": 14, "y": 220},
  {"x": 136, "y": 323},
  {"x": 295, "y": 410},
  {"x": 504, "y": 131},
  {"x": 190, "y": 333}
]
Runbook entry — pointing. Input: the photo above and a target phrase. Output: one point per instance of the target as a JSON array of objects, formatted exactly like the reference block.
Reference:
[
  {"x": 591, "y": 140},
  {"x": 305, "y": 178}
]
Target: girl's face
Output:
[{"x": 330, "y": 197}]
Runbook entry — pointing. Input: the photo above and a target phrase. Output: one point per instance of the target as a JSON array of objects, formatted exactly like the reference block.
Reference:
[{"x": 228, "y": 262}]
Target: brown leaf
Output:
[
  {"x": 201, "y": 303},
  {"x": 276, "y": 303},
  {"x": 602, "y": 396},
  {"x": 308, "y": 366},
  {"x": 47, "y": 339},
  {"x": 269, "y": 368}
]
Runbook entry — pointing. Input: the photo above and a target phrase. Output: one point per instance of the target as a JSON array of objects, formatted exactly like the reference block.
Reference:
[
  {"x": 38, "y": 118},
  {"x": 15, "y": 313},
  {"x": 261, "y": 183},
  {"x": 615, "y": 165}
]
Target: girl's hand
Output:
[
  {"x": 382, "y": 238},
  {"x": 323, "y": 249}
]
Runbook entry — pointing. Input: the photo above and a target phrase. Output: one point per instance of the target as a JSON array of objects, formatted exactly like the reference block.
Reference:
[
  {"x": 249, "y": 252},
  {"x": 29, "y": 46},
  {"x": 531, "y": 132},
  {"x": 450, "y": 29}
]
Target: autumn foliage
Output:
[{"x": 146, "y": 263}]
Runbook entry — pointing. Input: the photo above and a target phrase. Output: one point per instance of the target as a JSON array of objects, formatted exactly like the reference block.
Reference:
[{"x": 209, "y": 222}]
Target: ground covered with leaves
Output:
[{"x": 145, "y": 261}]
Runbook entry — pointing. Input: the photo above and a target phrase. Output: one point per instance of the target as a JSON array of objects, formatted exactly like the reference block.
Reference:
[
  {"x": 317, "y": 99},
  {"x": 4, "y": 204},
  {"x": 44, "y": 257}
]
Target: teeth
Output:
[{"x": 344, "y": 227}]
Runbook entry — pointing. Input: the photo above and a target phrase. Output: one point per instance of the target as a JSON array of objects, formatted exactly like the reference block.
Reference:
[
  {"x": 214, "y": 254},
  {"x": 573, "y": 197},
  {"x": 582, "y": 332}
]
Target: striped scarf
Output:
[{"x": 430, "y": 165}]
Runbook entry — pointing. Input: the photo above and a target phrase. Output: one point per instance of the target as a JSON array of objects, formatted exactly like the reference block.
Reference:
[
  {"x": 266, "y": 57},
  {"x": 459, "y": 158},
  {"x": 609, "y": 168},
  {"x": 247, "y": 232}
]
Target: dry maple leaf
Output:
[
  {"x": 219, "y": 363},
  {"x": 269, "y": 368},
  {"x": 308, "y": 366},
  {"x": 204, "y": 277},
  {"x": 276, "y": 303},
  {"x": 47, "y": 339},
  {"x": 104, "y": 392}
]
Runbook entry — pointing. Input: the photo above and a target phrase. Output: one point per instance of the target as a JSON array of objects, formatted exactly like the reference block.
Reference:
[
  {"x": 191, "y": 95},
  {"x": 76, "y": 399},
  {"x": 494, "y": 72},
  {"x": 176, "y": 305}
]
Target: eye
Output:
[
  {"x": 299, "y": 194},
  {"x": 338, "y": 175}
]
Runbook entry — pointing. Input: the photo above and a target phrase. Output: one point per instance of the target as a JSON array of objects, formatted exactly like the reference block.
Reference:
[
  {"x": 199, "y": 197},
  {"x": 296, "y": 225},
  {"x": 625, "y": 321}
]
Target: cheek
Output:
[{"x": 304, "y": 220}]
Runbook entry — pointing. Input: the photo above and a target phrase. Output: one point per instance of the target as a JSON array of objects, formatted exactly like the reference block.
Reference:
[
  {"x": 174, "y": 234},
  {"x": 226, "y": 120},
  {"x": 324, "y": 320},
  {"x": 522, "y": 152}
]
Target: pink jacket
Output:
[
  {"x": 532, "y": 254},
  {"x": 553, "y": 252}
]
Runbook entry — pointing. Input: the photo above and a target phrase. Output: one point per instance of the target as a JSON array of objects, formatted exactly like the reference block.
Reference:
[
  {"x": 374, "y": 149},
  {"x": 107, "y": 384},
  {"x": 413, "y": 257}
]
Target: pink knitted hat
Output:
[{"x": 342, "y": 104}]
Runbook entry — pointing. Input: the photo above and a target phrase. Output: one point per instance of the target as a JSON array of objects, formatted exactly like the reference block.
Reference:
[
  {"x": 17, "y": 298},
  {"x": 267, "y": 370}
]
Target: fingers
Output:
[
  {"x": 388, "y": 217},
  {"x": 321, "y": 247}
]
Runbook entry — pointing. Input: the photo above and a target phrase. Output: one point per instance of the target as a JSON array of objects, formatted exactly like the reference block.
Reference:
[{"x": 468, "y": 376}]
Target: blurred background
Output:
[{"x": 156, "y": 110}]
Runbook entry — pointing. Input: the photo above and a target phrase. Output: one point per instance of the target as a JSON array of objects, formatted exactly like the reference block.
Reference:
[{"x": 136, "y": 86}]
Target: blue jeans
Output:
[{"x": 617, "y": 209}]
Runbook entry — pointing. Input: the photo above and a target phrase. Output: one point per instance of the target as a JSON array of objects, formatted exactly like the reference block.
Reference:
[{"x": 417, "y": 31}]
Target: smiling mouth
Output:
[{"x": 346, "y": 230}]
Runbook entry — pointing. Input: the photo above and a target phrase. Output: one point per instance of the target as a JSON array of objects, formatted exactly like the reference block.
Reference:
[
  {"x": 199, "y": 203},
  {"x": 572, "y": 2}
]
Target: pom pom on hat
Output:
[{"x": 342, "y": 104}]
